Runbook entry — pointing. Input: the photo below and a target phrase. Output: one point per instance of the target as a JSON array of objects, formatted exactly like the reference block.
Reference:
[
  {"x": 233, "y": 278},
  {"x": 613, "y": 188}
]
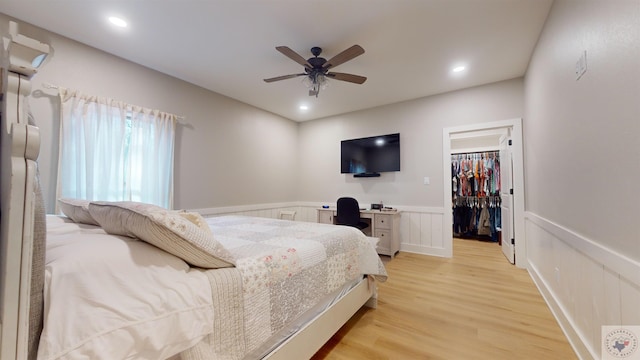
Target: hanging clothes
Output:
[
  {"x": 476, "y": 174},
  {"x": 475, "y": 181},
  {"x": 484, "y": 224}
]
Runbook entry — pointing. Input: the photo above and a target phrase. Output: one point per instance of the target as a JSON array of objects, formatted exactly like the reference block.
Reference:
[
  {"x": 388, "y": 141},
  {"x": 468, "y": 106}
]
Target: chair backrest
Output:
[{"x": 348, "y": 211}]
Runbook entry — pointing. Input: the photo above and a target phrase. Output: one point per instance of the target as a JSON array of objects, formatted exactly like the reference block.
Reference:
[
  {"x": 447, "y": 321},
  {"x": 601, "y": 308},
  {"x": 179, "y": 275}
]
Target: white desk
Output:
[{"x": 384, "y": 225}]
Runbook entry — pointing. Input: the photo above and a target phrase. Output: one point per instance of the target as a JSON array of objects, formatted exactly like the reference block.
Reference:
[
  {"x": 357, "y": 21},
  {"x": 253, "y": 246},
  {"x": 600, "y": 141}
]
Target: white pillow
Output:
[
  {"x": 183, "y": 234},
  {"x": 77, "y": 210}
]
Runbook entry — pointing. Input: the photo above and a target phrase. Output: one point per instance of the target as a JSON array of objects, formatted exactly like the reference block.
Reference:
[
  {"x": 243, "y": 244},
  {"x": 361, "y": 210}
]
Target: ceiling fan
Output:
[{"x": 316, "y": 69}]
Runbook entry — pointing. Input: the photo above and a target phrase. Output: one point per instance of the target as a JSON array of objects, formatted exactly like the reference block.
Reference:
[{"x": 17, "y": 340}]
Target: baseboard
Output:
[
  {"x": 424, "y": 250},
  {"x": 577, "y": 342}
]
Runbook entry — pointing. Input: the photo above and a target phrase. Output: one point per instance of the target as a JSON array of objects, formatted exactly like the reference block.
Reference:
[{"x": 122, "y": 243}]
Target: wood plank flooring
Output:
[{"x": 473, "y": 306}]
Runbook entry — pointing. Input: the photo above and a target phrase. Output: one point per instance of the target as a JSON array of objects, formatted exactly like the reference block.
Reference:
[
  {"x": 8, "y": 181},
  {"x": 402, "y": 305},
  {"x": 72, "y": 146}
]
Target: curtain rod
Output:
[{"x": 56, "y": 87}]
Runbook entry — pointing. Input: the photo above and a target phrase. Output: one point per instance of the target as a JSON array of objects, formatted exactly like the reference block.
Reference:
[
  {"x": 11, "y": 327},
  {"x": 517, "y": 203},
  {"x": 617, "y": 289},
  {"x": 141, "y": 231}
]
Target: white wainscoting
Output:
[
  {"x": 258, "y": 210},
  {"x": 585, "y": 284},
  {"x": 421, "y": 228}
]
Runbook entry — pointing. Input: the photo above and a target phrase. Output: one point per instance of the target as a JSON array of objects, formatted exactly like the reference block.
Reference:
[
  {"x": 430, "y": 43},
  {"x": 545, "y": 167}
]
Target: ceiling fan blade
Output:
[
  {"x": 293, "y": 56},
  {"x": 347, "y": 77},
  {"x": 283, "y": 77},
  {"x": 350, "y": 53}
]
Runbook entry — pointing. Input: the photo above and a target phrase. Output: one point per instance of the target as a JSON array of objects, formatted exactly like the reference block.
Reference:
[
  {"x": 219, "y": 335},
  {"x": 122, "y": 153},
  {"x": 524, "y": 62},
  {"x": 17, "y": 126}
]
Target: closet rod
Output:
[
  {"x": 476, "y": 196},
  {"x": 476, "y": 152}
]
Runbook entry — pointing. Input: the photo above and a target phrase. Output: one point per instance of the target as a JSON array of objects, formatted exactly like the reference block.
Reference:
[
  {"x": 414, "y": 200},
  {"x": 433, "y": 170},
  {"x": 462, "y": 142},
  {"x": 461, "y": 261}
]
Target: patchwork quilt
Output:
[{"x": 282, "y": 269}]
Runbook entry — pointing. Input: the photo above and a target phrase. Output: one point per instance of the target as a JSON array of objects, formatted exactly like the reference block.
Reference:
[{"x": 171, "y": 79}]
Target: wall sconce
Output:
[{"x": 25, "y": 54}]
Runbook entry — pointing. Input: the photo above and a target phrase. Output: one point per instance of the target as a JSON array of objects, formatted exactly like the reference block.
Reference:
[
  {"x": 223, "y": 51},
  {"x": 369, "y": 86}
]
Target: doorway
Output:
[{"x": 506, "y": 137}]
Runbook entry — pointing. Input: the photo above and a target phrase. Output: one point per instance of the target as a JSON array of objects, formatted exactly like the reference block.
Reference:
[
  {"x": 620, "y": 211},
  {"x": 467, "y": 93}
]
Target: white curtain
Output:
[
  {"x": 113, "y": 151},
  {"x": 151, "y": 167}
]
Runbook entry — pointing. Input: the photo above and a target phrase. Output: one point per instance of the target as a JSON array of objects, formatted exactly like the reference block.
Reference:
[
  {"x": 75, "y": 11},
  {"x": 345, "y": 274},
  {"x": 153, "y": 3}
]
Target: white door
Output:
[{"x": 506, "y": 196}]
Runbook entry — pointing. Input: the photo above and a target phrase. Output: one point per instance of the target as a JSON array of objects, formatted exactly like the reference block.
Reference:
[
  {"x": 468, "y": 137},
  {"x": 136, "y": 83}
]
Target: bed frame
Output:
[
  {"x": 19, "y": 193},
  {"x": 307, "y": 341},
  {"x": 22, "y": 248}
]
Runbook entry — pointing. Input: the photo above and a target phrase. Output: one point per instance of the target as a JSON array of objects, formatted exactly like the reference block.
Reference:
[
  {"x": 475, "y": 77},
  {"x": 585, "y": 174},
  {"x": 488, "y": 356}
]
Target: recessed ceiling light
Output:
[
  {"x": 458, "y": 69},
  {"x": 117, "y": 21},
  {"x": 304, "y": 107}
]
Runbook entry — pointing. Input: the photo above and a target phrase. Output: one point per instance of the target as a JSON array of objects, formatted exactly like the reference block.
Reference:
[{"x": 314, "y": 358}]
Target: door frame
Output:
[{"x": 515, "y": 129}]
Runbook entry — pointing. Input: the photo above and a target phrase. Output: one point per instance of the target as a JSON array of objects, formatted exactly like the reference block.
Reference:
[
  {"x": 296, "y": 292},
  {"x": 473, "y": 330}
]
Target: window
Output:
[{"x": 114, "y": 151}]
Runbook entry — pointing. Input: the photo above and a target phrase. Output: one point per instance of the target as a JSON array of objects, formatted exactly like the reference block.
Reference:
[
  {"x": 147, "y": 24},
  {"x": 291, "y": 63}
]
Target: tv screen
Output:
[{"x": 370, "y": 155}]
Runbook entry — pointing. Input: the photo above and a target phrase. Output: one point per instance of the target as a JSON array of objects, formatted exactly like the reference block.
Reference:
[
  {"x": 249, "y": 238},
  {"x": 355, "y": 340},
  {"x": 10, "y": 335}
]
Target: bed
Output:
[
  {"x": 145, "y": 302},
  {"x": 130, "y": 280}
]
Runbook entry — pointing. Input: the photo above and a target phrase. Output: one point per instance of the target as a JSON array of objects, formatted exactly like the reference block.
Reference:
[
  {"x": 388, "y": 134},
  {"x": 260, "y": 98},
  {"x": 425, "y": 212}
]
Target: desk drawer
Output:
[
  {"x": 383, "y": 221},
  {"x": 325, "y": 216},
  {"x": 384, "y": 244}
]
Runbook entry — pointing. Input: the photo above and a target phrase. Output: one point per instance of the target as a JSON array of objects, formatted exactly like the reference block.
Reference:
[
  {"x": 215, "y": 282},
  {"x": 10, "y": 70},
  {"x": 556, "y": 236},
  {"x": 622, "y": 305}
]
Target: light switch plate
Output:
[{"x": 581, "y": 65}]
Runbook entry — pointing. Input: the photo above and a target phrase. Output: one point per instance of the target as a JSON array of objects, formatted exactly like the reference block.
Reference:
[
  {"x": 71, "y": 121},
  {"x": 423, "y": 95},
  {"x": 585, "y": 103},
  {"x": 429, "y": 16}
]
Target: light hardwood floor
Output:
[{"x": 473, "y": 306}]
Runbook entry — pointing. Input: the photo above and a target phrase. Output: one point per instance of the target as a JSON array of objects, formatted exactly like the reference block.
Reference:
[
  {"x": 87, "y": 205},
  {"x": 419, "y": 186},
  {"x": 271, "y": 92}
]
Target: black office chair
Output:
[{"x": 348, "y": 213}]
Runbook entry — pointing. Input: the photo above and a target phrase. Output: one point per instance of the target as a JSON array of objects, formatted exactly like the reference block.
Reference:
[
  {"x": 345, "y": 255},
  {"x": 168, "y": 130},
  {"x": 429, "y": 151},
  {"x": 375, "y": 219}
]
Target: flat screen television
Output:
[{"x": 367, "y": 157}]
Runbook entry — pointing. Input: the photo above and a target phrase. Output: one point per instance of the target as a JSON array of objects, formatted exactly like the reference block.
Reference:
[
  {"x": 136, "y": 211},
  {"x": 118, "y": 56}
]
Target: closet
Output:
[{"x": 475, "y": 195}]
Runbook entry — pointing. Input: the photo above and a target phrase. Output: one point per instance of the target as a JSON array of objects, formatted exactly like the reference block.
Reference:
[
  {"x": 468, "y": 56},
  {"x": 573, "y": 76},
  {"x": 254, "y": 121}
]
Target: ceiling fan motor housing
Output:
[
  {"x": 315, "y": 51},
  {"x": 316, "y": 62}
]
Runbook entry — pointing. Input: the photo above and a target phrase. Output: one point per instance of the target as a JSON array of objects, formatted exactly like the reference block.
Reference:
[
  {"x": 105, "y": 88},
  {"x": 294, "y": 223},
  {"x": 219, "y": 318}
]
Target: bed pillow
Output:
[
  {"x": 77, "y": 210},
  {"x": 183, "y": 234}
]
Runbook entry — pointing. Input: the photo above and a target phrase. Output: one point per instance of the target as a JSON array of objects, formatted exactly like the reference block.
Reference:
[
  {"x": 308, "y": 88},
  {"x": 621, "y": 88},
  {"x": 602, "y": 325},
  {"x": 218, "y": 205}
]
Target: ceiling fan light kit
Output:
[{"x": 316, "y": 69}]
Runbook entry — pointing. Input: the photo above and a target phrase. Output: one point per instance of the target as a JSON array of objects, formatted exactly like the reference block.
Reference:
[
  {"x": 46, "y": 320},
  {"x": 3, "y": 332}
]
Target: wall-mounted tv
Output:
[{"x": 367, "y": 157}]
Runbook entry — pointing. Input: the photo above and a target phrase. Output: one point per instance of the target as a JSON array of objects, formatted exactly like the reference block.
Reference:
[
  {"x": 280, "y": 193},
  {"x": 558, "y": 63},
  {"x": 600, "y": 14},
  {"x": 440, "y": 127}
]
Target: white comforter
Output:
[{"x": 113, "y": 297}]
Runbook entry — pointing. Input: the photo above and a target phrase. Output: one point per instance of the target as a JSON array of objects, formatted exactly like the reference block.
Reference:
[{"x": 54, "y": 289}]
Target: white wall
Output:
[
  {"x": 227, "y": 152},
  {"x": 582, "y": 165}
]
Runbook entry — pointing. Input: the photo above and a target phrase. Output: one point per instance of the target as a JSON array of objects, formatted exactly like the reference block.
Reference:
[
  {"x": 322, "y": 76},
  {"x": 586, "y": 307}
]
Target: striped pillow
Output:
[
  {"x": 77, "y": 210},
  {"x": 183, "y": 234}
]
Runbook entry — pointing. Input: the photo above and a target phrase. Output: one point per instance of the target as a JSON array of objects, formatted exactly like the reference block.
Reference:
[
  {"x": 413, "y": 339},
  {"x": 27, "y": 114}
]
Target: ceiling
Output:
[{"x": 228, "y": 46}]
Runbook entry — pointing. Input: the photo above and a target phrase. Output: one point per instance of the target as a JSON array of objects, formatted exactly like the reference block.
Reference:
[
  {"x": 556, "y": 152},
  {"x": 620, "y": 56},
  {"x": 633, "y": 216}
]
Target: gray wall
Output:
[
  {"x": 420, "y": 123},
  {"x": 227, "y": 153},
  {"x": 582, "y": 165},
  {"x": 582, "y": 155}
]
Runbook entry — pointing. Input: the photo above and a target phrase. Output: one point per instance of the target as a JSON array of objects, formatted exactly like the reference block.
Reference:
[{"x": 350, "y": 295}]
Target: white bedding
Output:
[
  {"x": 114, "y": 297},
  {"x": 162, "y": 307}
]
